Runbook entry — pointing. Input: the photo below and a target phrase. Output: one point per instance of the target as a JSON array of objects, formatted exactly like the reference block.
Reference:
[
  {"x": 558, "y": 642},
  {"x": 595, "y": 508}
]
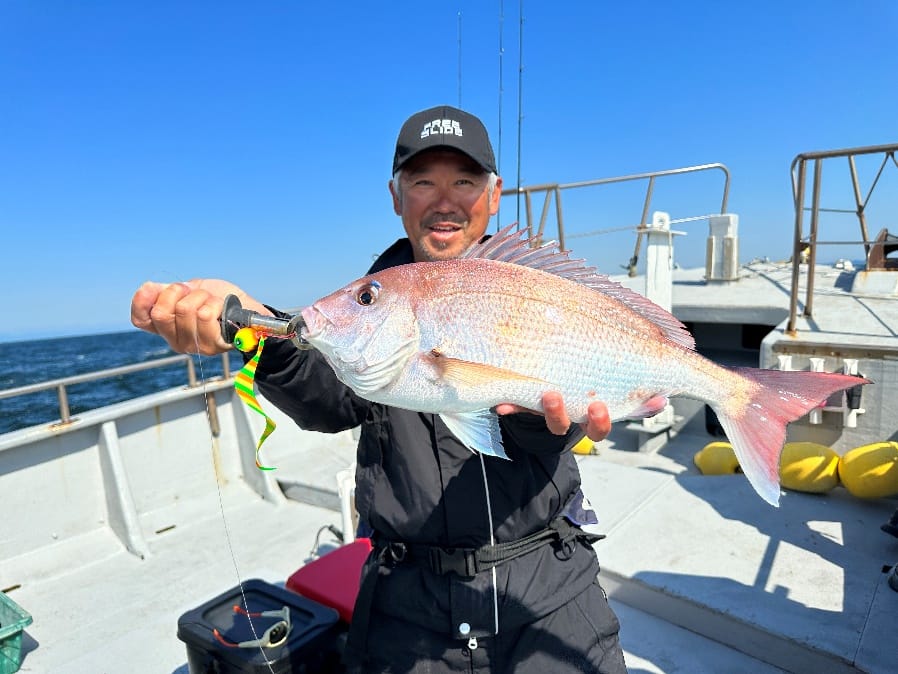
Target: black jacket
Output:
[{"x": 415, "y": 482}]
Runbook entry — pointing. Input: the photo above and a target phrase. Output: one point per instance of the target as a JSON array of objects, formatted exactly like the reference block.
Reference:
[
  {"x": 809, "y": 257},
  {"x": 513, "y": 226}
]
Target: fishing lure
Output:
[{"x": 246, "y": 340}]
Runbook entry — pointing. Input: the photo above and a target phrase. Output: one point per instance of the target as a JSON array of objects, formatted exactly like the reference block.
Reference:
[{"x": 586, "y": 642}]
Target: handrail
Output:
[
  {"x": 61, "y": 384},
  {"x": 800, "y": 243},
  {"x": 556, "y": 189}
]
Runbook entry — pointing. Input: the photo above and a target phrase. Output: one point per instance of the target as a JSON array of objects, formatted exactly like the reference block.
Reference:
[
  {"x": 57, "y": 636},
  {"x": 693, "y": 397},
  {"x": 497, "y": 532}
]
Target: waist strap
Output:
[{"x": 468, "y": 562}]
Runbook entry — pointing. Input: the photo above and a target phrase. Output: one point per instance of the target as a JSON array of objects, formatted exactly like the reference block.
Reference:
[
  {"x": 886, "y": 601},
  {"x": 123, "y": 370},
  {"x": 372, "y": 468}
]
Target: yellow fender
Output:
[
  {"x": 584, "y": 446},
  {"x": 871, "y": 471},
  {"x": 717, "y": 458},
  {"x": 809, "y": 467}
]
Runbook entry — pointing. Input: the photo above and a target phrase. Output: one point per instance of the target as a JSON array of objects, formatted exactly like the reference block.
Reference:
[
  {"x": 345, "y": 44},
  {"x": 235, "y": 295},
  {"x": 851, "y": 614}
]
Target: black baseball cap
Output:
[{"x": 444, "y": 126}]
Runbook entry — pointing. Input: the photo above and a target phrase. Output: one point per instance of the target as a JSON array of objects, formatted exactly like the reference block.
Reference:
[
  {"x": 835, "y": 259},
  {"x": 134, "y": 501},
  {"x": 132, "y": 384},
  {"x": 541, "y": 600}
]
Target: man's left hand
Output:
[{"x": 597, "y": 425}]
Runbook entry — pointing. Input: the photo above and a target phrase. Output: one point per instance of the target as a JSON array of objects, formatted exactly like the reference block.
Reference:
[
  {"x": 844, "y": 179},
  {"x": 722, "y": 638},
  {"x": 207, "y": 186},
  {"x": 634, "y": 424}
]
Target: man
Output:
[{"x": 477, "y": 565}]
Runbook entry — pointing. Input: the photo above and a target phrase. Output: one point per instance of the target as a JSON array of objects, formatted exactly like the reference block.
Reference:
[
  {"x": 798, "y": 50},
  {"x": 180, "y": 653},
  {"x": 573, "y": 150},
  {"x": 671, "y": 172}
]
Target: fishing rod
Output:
[
  {"x": 520, "y": 119},
  {"x": 235, "y": 317}
]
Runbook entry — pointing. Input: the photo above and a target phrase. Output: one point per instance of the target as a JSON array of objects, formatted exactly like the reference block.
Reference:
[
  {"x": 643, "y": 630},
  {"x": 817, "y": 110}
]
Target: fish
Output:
[{"x": 511, "y": 319}]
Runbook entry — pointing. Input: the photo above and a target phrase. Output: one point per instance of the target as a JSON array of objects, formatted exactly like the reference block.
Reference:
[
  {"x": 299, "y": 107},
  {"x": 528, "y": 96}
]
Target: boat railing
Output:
[
  {"x": 551, "y": 190},
  {"x": 805, "y": 246},
  {"x": 60, "y": 385}
]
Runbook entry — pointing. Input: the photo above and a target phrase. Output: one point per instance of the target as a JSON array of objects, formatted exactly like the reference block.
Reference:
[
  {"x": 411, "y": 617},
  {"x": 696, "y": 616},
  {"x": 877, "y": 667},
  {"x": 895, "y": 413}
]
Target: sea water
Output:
[{"x": 31, "y": 362}]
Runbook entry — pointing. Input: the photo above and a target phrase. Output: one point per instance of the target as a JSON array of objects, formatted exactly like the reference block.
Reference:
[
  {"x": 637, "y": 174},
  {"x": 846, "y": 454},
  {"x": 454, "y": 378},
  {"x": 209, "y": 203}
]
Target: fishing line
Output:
[
  {"x": 224, "y": 519},
  {"x": 489, "y": 514}
]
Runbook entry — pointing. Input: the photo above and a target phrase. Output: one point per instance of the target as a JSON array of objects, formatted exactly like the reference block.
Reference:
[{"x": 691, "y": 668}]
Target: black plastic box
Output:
[{"x": 310, "y": 647}]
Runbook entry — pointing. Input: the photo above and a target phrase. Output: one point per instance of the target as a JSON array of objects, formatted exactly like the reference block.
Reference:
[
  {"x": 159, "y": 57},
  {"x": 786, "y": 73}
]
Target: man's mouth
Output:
[{"x": 444, "y": 222}]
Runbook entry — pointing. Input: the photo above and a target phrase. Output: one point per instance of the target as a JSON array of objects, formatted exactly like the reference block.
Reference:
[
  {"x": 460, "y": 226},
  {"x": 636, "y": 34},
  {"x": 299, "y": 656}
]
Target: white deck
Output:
[{"x": 801, "y": 585}]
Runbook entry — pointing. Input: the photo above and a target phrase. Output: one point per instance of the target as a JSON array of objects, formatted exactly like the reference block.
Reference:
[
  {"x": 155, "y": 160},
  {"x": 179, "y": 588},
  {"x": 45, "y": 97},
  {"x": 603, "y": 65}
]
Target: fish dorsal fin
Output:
[{"x": 510, "y": 245}]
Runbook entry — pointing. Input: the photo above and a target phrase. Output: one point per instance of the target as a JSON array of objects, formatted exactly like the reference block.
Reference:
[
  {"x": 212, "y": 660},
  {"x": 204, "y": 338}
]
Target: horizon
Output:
[{"x": 175, "y": 141}]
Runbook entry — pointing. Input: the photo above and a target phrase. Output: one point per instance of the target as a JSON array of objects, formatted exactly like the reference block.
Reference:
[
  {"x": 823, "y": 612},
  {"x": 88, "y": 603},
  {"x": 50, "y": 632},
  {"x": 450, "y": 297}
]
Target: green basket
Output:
[{"x": 13, "y": 621}]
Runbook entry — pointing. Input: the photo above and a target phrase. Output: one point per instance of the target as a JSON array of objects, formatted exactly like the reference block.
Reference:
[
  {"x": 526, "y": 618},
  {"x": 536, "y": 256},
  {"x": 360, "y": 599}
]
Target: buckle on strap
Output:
[{"x": 462, "y": 561}]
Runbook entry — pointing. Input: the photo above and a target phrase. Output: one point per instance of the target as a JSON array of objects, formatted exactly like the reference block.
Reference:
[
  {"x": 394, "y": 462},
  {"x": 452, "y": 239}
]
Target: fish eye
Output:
[{"x": 367, "y": 294}]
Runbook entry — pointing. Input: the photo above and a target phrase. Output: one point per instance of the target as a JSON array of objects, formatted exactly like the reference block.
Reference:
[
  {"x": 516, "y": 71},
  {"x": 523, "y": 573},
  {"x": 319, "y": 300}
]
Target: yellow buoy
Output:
[
  {"x": 717, "y": 458},
  {"x": 585, "y": 446},
  {"x": 871, "y": 471},
  {"x": 809, "y": 467}
]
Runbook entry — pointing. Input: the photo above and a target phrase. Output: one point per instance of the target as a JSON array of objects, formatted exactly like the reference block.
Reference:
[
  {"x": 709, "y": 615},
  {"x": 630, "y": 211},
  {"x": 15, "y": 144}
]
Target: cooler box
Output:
[
  {"x": 13, "y": 621},
  {"x": 309, "y": 647},
  {"x": 333, "y": 580}
]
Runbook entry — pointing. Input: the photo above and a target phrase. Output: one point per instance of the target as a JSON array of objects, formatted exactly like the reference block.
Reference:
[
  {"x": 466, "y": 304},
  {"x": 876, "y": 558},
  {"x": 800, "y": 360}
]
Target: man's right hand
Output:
[{"x": 186, "y": 315}]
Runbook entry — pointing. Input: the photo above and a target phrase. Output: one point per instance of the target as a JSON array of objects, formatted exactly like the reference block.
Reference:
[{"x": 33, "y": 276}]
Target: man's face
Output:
[{"x": 444, "y": 204}]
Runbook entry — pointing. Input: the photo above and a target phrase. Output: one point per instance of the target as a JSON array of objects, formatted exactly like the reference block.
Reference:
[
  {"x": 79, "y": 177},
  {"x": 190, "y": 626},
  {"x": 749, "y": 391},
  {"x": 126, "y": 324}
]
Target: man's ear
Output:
[
  {"x": 496, "y": 197},
  {"x": 397, "y": 202}
]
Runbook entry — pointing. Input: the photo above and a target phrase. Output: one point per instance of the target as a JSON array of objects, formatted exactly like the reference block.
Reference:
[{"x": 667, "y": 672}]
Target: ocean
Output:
[{"x": 31, "y": 362}]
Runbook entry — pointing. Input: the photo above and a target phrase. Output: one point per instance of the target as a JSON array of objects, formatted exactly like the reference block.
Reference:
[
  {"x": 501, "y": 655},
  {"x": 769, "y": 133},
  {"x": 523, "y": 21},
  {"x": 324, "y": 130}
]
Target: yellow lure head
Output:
[{"x": 246, "y": 340}]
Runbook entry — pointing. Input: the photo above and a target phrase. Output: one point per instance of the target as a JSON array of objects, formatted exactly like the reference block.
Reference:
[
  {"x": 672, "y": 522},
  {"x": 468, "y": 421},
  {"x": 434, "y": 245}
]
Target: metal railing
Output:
[
  {"x": 60, "y": 385},
  {"x": 555, "y": 189},
  {"x": 805, "y": 248}
]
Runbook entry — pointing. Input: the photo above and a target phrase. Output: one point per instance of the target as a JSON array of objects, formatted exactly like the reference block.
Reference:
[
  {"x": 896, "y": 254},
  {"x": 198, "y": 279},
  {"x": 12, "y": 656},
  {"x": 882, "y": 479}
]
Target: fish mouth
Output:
[{"x": 315, "y": 321}]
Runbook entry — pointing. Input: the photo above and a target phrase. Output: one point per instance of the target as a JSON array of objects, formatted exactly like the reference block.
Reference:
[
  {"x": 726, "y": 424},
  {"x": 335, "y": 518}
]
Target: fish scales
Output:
[
  {"x": 560, "y": 333},
  {"x": 458, "y": 337}
]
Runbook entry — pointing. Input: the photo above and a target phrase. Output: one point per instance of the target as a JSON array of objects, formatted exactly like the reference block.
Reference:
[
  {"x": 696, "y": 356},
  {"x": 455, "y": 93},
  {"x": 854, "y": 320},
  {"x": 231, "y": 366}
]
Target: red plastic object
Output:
[{"x": 333, "y": 580}]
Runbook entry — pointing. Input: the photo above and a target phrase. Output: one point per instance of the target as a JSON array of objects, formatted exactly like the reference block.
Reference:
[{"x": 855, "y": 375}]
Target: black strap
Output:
[{"x": 468, "y": 562}]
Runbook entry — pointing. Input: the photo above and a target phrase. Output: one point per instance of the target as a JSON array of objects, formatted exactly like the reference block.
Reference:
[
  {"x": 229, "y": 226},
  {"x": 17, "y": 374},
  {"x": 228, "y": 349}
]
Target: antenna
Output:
[
  {"x": 459, "y": 59},
  {"x": 520, "y": 99},
  {"x": 499, "y": 139}
]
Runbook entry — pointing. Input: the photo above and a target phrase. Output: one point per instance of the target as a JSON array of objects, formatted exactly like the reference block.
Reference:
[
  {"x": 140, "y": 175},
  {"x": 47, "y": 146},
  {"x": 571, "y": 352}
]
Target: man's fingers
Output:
[
  {"x": 142, "y": 303},
  {"x": 598, "y": 422},
  {"x": 165, "y": 318},
  {"x": 557, "y": 419},
  {"x": 190, "y": 335},
  {"x": 597, "y": 425}
]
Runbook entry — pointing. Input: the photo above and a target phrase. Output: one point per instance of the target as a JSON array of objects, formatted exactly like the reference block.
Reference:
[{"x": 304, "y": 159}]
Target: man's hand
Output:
[
  {"x": 186, "y": 314},
  {"x": 597, "y": 425}
]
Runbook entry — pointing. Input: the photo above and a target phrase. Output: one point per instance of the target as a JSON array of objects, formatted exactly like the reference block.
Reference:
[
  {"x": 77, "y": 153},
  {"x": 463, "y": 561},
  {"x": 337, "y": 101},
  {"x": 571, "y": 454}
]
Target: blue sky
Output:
[{"x": 252, "y": 141}]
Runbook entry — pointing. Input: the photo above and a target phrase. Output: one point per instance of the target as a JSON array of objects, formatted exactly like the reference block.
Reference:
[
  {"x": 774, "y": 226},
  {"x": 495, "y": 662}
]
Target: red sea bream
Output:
[{"x": 507, "y": 322}]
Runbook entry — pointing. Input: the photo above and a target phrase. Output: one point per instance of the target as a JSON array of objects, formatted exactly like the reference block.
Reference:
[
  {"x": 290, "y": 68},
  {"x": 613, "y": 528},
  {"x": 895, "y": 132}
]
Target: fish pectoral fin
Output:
[
  {"x": 649, "y": 408},
  {"x": 478, "y": 431},
  {"x": 467, "y": 373}
]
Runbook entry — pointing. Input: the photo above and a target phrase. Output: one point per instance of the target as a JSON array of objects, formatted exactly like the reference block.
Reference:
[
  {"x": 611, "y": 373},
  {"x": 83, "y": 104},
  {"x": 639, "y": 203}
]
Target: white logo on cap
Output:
[{"x": 442, "y": 126}]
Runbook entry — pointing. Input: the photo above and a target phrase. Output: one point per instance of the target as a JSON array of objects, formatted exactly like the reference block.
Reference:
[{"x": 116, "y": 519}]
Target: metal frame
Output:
[
  {"x": 65, "y": 415},
  {"x": 555, "y": 189},
  {"x": 799, "y": 185}
]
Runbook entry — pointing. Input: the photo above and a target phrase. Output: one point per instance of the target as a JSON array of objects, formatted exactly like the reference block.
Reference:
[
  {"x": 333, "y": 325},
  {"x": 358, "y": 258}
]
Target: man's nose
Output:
[{"x": 444, "y": 202}]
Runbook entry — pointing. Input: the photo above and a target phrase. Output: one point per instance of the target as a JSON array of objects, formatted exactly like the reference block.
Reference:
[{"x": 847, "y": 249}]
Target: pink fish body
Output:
[{"x": 507, "y": 322}]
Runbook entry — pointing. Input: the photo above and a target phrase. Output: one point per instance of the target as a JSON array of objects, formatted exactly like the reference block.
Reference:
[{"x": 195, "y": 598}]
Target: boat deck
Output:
[
  {"x": 697, "y": 567},
  {"x": 805, "y": 584}
]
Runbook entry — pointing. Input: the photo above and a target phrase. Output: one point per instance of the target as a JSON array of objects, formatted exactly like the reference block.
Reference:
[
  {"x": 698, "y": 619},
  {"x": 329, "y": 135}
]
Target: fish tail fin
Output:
[{"x": 757, "y": 430}]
